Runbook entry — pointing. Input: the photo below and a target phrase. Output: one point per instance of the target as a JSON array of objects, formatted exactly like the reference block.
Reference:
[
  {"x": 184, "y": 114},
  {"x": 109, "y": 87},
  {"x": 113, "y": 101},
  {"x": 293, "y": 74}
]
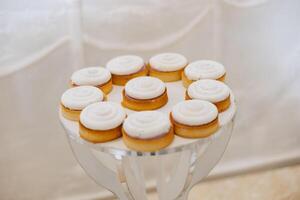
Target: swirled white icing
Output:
[
  {"x": 194, "y": 112},
  {"x": 145, "y": 87},
  {"x": 168, "y": 62},
  {"x": 125, "y": 65},
  {"x": 209, "y": 90},
  {"x": 147, "y": 124},
  {"x": 77, "y": 98},
  {"x": 204, "y": 69},
  {"x": 102, "y": 116},
  {"x": 91, "y": 76}
]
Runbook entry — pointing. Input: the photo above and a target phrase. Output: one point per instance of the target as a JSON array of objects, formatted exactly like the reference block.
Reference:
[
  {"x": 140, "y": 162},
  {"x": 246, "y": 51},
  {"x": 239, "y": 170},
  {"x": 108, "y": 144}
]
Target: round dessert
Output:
[
  {"x": 101, "y": 122},
  {"x": 213, "y": 91},
  {"x": 147, "y": 131},
  {"x": 75, "y": 99},
  {"x": 94, "y": 76},
  {"x": 124, "y": 68},
  {"x": 144, "y": 93},
  {"x": 203, "y": 69},
  {"x": 194, "y": 118},
  {"x": 167, "y": 66}
]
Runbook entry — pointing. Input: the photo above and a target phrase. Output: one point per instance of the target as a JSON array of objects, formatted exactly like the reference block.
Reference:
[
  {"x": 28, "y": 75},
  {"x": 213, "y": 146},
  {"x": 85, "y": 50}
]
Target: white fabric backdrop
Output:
[{"x": 257, "y": 40}]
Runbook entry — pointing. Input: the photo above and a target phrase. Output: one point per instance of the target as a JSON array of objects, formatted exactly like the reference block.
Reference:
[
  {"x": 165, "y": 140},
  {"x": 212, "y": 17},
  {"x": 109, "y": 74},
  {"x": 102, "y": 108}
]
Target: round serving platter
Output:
[{"x": 176, "y": 93}]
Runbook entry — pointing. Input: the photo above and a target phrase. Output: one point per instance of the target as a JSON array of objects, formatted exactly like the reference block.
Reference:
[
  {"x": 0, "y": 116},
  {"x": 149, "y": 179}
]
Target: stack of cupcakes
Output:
[{"x": 144, "y": 91}]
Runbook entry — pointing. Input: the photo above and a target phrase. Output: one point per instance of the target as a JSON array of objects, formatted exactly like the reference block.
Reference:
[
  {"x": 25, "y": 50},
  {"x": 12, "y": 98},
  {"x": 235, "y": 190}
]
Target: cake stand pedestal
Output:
[
  {"x": 175, "y": 170},
  {"x": 169, "y": 173}
]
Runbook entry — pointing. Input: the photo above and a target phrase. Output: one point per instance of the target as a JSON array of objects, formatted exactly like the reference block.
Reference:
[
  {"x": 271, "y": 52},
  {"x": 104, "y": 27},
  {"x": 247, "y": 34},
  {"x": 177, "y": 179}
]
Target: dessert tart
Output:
[
  {"x": 75, "y": 99},
  {"x": 214, "y": 91},
  {"x": 203, "y": 69},
  {"x": 94, "y": 76},
  {"x": 101, "y": 122},
  {"x": 147, "y": 131},
  {"x": 144, "y": 93},
  {"x": 124, "y": 68},
  {"x": 194, "y": 118},
  {"x": 167, "y": 66}
]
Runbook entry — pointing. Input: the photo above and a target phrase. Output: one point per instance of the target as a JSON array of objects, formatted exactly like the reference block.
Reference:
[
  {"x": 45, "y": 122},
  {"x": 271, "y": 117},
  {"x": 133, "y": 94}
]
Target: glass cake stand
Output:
[{"x": 170, "y": 172}]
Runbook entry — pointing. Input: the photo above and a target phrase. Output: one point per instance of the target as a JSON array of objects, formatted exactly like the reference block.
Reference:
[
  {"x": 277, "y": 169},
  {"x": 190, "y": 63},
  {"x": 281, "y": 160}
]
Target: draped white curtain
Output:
[{"x": 42, "y": 42}]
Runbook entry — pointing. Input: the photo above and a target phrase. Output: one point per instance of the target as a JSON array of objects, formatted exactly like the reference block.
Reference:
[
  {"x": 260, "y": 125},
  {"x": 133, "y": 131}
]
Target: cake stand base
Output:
[{"x": 174, "y": 173}]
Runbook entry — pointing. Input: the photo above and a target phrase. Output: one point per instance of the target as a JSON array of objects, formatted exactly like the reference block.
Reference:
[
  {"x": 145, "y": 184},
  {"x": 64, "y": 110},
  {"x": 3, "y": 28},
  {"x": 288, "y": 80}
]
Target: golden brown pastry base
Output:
[
  {"x": 222, "y": 78},
  {"x": 123, "y": 79},
  {"x": 165, "y": 76},
  {"x": 69, "y": 114},
  {"x": 186, "y": 82},
  {"x": 105, "y": 87},
  {"x": 221, "y": 105},
  {"x": 200, "y": 131},
  {"x": 97, "y": 136},
  {"x": 148, "y": 145},
  {"x": 144, "y": 104}
]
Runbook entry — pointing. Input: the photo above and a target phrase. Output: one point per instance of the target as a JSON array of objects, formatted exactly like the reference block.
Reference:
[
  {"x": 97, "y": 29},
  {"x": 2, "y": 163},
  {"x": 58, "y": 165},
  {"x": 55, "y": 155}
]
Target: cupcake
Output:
[
  {"x": 147, "y": 131},
  {"x": 194, "y": 118},
  {"x": 203, "y": 69},
  {"x": 144, "y": 93},
  {"x": 94, "y": 76},
  {"x": 124, "y": 68},
  {"x": 75, "y": 99},
  {"x": 214, "y": 91},
  {"x": 101, "y": 122},
  {"x": 167, "y": 66}
]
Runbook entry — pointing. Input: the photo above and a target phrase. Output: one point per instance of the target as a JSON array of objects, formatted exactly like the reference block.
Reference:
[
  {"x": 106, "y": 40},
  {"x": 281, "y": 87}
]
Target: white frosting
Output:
[
  {"x": 147, "y": 124},
  {"x": 91, "y": 76},
  {"x": 79, "y": 97},
  {"x": 168, "y": 62},
  {"x": 194, "y": 112},
  {"x": 145, "y": 87},
  {"x": 209, "y": 90},
  {"x": 124, "y": 65},
  {"x": 102, "y": 116},
  {"x": 204, "y": 69}
]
